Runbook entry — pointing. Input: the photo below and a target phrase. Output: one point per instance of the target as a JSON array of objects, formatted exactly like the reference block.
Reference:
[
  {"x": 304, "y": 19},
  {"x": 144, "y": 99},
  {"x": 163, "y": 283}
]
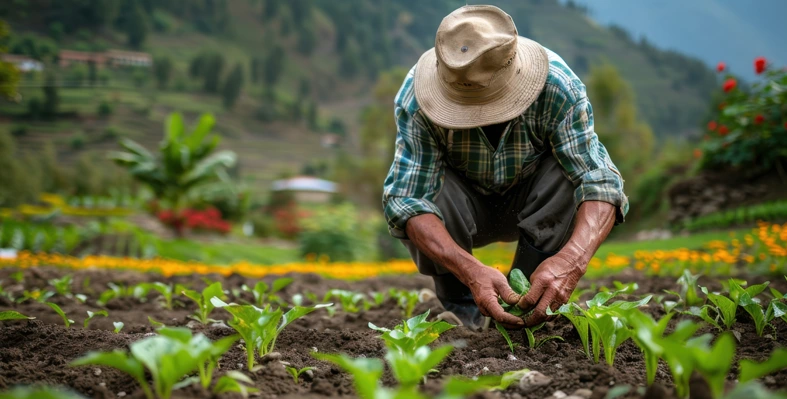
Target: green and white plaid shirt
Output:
[{"x": 560, "y": 121}]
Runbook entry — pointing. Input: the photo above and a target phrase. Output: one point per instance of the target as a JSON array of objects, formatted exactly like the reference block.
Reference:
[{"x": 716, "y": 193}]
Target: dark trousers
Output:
[{"x": 538, "y": 213}]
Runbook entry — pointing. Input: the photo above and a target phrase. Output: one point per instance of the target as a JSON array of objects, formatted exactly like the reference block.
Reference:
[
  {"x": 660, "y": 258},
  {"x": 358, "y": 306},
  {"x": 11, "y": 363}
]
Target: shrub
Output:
[
  {"x": 748, "y": 130},
  {"x": 77, "y": 141},
  {"x": 104, "y": 109},
  {"x": 338, "y": 233},
  {"x": 19, "y": 130}
]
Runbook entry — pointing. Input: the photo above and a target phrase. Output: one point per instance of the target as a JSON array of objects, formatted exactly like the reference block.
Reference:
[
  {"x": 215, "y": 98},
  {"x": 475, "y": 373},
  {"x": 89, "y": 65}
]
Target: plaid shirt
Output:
[{"x": 560, "y": 121}]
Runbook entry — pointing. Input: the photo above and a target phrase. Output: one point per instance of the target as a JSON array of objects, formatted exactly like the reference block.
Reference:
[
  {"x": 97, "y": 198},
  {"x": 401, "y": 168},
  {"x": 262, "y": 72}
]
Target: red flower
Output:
[
  {"x": 723, "y": 130},
  {"x": 759, "y": 65},
  {"x": 712, "y": 125},
  {"x": 721, "y": 66},
  {"x": 759, "y": 119},
  {"x": 697, "y": 153},
  {"x": 729, "y": 84},
  {"x": 722, "y": 106},
  {"x": 785, "y": 125}
]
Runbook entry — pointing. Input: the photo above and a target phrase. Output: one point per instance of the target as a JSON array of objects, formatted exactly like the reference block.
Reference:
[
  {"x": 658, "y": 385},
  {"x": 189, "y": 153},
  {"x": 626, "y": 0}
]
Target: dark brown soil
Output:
[{"x": 38, "y": 351}]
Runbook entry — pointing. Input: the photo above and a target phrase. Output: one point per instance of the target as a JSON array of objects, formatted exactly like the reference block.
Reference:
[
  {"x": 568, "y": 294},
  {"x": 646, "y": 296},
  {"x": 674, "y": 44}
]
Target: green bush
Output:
[
  {"x": 77, "y": 141},
  {"x": 34, "y": 108},
  {"x": 19, "y": 130},
  {"x": 768, "y": 212},
  {"x": 338, "y": 232},
  {"x": 104, "y": 109}
]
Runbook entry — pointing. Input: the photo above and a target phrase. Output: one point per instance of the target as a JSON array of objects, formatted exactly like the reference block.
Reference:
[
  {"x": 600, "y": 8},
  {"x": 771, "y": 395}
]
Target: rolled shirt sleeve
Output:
[
  {"x": 584, "y": 158},
  {"x": 416, "y": 175}
]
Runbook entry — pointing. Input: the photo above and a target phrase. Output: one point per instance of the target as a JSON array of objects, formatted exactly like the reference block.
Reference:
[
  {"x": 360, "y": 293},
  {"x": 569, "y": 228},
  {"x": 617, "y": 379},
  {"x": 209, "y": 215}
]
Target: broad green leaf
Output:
[
  {"x": 39, "y": 393},
  {"x": 231, "y": 382},
  {"x": 726, "y": 306},
  {"x": 181, "y": 334},
  {"x": 776, "y": 310},
  {"x": 118, "y": 326},
  {"x": 754, "y": 310},
  {"x": 623, "y": 305},
  {"x": 280, "y": 283},
  {"x": 715, "y": 366},
  {"x": 154, "y": 323},
  {"x": 756, "y": 289},
  {"x": 600, "y": 299},
  {"x": 62, "y": 314},
  {"x": 13, "y": 315},
  {"x": 375, "y": 328},
  {"x": 776, "y": 294},
  {"x": 518, "y": 281},
  {"x": 298, "y": 312},
  {"x": 750, "y": 370}
]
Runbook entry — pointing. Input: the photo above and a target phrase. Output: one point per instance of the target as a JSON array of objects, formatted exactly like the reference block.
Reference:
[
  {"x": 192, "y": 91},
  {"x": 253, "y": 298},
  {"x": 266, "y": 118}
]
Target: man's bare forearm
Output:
[
  {"x": 594, "y": 221},
  {"x": 430, "y": 236}
]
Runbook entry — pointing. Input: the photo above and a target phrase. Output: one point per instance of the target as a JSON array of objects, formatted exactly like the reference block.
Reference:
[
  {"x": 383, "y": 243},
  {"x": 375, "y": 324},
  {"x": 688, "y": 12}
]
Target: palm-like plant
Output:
[{"x": 185, "y": 162}]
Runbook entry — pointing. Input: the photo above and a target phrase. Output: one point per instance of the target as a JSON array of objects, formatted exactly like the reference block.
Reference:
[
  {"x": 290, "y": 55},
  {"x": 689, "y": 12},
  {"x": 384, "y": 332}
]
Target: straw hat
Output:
[{"x": 480, "y": 72}]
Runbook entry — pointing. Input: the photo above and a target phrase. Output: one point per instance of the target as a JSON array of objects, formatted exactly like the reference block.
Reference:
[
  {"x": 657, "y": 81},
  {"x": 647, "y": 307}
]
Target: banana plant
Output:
[
  {"x": 185, "y": 161},
  {"x": 259, "y": 328},
  {"x": 413, "y": 333}
]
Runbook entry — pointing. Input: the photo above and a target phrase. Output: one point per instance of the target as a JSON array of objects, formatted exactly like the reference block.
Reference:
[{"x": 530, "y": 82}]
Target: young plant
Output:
[
  {"x": 203, "y": 301},
  {"x": 91, "y": 315},
  {"x": 36, "y": 295},
  {"x": 687, "y": 296},
  {"x": 168, "y": 357},
  {"x": 410, "y": 369},
  {"x": 210, "y": 353},
  {"x": 647, "y": 334},
  {"x": 412, "y": 333},
  {"x": 724, "y": 307},
  {"x": 166, "y": 290},
  {"x": 350, "y": 301},
  {"x": 406, "y": 299},
  {"x": 114, "y": 291},
  {"x": 264, "y": 294},
  {"x": 13, "y": 315},
  {"x": 520, "y": 285},
  {"x": 378, "y": 298},
  {"x": 259, "y": 328},
  {"x": 118, "y": 326},
  {"x": 62, "y": 285},
  {"x": 68, "y": 322},
  {"x": 296, "y": 372},
  {"x": 233, "y": 382}
]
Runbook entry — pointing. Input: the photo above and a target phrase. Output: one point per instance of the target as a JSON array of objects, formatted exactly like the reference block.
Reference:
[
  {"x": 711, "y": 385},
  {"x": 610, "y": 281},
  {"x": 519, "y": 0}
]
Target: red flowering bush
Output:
[
  {"x": 287, "y": 220},
  {"x": 749, "y": 129},
  {"x": 208, "y": 219}
]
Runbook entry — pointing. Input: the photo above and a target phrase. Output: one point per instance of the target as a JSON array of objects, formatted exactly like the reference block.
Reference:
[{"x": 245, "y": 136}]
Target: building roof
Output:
[{"x": 305, "y": 183}]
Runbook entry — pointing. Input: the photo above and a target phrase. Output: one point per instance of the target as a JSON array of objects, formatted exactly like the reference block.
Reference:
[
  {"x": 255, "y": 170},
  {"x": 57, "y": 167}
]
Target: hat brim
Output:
[{"x": 521, "y": 92}]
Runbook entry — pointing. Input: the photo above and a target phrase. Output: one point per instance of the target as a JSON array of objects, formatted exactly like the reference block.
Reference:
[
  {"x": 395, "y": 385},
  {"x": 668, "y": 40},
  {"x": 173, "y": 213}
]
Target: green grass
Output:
[{"x": 225, "y": 253}]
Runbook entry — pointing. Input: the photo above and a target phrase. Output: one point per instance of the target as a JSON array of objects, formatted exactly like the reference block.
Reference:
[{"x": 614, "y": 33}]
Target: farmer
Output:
[{"x": 496, "y": 143}]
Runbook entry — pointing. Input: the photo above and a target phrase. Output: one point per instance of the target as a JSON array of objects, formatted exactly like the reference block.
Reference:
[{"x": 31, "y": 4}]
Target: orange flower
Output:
[{"x": 697, "y": 153}]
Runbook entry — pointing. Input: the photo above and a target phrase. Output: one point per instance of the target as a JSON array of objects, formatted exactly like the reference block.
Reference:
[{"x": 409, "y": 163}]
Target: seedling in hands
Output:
[
  {"x": 296, "y": 373},
  {"x": 412, "y": 333},
  {"x": 91, "y": 315},
  {"x": 68, "y": 322},
  {"x": 203, "y": 301},
  {"x": 259, "y": 328}
]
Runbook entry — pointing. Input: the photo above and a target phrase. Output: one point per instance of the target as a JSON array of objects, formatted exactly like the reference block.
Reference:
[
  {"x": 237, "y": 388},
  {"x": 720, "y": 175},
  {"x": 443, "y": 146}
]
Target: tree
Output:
[
  {"x": 133, "y": 21},
  {"x": 274, "y": 64},
  {"x": 186, "y": 162},
  {"x": 628, "y": 141},
  {"x": 232, "y": 87},
  {"x": 350, "y": 63},
  {"x": 162, "y": 68},
  {"x": 211, "y": 73},
  {"x": 51, "y": 98},
  {"x": 9, "y": 75}
]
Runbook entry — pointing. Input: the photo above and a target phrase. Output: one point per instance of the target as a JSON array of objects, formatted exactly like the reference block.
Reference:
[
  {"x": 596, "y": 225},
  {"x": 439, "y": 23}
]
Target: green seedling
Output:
[
  {"x": 687, "y": 296},
  {"x": 646, "y": 334},
  {"x": 13, "y": 315},
  {"x": 367, "y": 375},
  {"x": 532, "y": 342},
  {"x": 210, "y": 353},
  {"x": 233, "y": 382},
  {"x": 168, "y": 357},
  {"x": 36, "y": 295},
  {"x": 411, "y": 369},
  {"x": 167, "y": 291},
  {"x": 155, "y": 324},
  {"x": 118, "y": 326},
  {"x": 406, "y": 299},
  {"x": 413, "y": 333},
  {"x": 264, "y": 294},
  {"x": 724, "y": 307},
  {"x": 776, "y": 310},
  {"x": 296, "y": 372},
  {"x": 520, "y": 285},
  {"x": 62, "y": 285},
  {"x": 4, "y": 293},
  {"x": 259, "y": 328},
  {"x": 350, "y": 301},
  {"x": 203, "y": 301},
  {"x": 18, "y": 276},
  {"x": 91, "y": 315},
  {"x": 378, "y": 298},
  {"x": 68, "y": 322},
  {"x": 751, "y": 370},
  {"x": 114, "y": 291}
]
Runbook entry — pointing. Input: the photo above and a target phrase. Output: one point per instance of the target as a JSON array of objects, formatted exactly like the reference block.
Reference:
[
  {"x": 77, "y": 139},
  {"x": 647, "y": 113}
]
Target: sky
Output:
[{"x": 732, "y": 31}]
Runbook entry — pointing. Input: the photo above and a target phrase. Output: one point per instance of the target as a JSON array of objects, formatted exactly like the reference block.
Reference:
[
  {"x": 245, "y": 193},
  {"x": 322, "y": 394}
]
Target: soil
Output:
[{"x": 38, "y": 351}]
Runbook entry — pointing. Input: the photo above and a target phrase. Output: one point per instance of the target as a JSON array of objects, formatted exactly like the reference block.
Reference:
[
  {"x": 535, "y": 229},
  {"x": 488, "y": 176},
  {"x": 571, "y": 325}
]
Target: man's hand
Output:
[
  {"x": 551, "y": 285},
  {"x": 486, "y": 284}
]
